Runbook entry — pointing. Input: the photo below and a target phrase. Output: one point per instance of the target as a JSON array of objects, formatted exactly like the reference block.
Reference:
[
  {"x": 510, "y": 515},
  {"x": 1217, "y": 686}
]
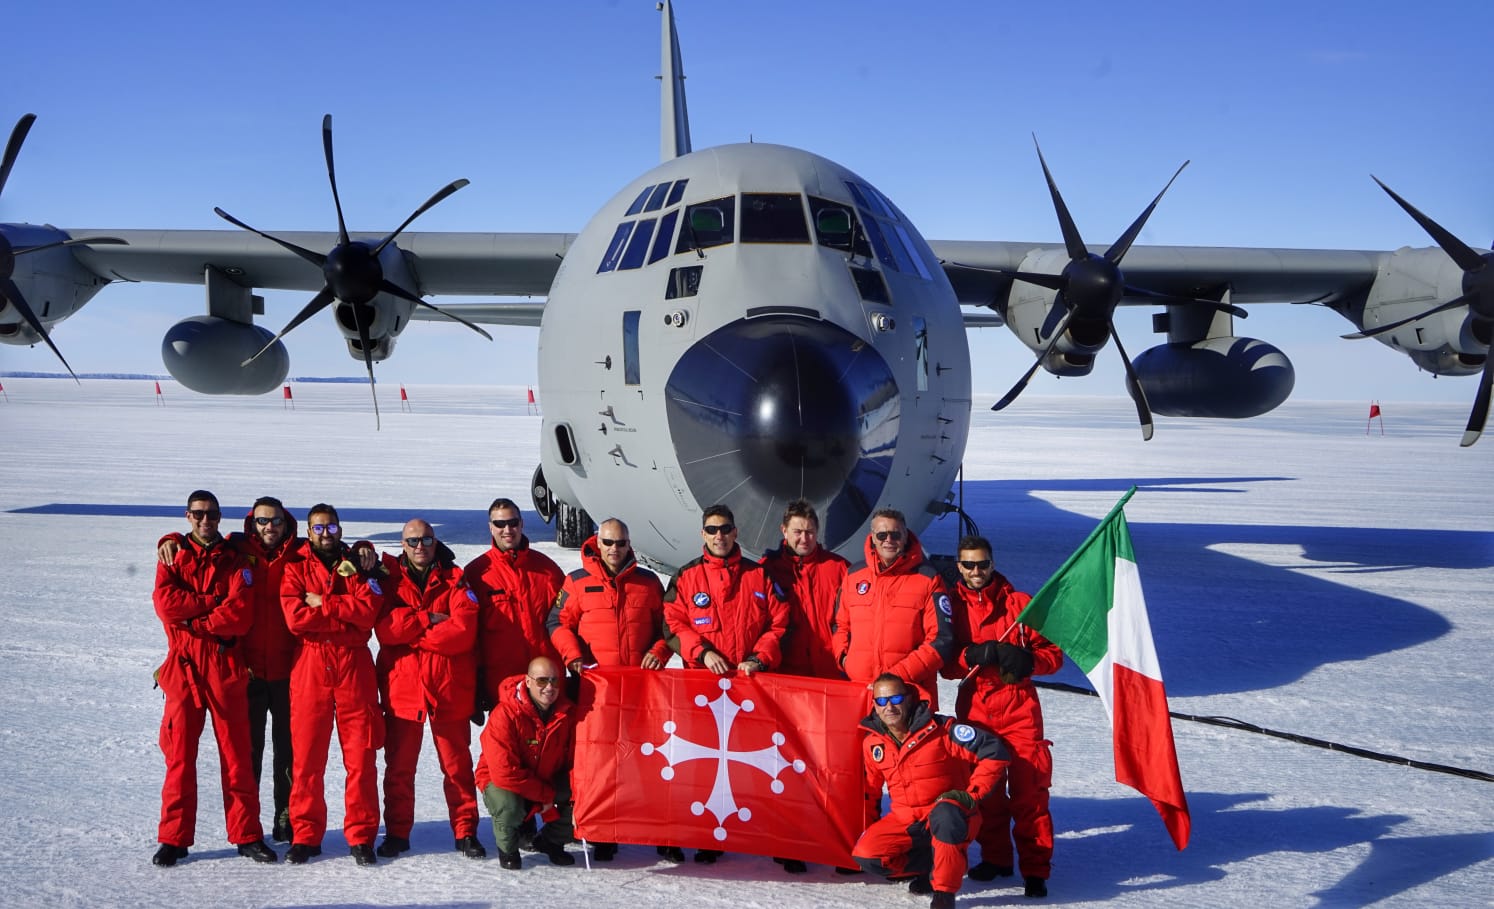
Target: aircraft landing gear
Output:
[{"x": 572, "y": 526}]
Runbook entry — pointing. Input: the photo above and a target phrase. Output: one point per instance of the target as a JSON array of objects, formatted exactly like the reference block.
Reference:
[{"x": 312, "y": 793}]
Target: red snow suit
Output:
[
  {"x": 810, "y": 585},
  {"x": 894, "y": 619},
  {"x": 523, "y": 752},
  {"x": 269, "y": 648},
  {"x": 938, "y": 755},
  {"x": 1014, "y": 713},
  {"x": 515, "y": 590},
  {"x": 605, "y": 620},
  {"x": 204, "y": 601},
  {"x": 428, "y": 671},
  {"x": 333, "y": 680},
  {"x": 727, "y": 605}
]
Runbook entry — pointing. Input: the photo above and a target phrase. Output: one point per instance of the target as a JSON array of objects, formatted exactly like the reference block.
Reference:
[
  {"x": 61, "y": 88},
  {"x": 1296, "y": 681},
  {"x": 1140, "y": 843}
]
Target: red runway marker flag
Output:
[
  {"x": 767, "y": 765},
  {"x": 1093, "y": 609},
  {"x": 402, "y": 395}
]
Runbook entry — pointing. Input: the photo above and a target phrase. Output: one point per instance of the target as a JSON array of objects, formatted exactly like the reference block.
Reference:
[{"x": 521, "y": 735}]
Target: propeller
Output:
[
  {"x": 351, "y": 270},
  {"x": 1478, "y": 296},
  {"x": 9, "y": 292},
  {"x": 1090, "y": 288}
]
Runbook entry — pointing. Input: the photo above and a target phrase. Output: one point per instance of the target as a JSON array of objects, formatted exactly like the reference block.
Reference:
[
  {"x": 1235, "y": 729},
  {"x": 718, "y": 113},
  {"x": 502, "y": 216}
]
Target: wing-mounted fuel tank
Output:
[{"x": 1206, "y": 371}]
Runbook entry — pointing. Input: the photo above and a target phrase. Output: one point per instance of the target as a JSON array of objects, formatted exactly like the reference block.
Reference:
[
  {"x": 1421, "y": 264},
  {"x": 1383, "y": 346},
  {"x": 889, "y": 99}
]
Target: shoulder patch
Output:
[
  {"x": 876, "y": 753},
  {"x": 471, "y": 594},
  {"x": 702, "y": 600},
  {"x": 759, "y": 594},
  {"x": 863, "y": 587},
  {"x": 942, "y": 601},
  {"x": 248, "y": 577},
  {"x": 373, "y": 584},
  {"x": 963, "y": 732},
  {"x": 778, "y": 591}
]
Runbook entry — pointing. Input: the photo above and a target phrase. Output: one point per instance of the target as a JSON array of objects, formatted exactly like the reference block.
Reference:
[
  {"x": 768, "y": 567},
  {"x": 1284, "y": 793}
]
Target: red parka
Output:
[
  {"x": 609, "y": 620},
  {"x": 425, "y": 669},
  {"x": 939, "y": 754},
  {"x": 522, "y": 751},
  {"x": 205, "y": 601},
  {"x": 515, "y": 590},
  {"x": 895, "y": 619},
  {"x": 727, "y": 605},
  {"x": 990, "y": 614},
  {"x": 350, "y": 603},
  {"x": 810, "y": 583}
]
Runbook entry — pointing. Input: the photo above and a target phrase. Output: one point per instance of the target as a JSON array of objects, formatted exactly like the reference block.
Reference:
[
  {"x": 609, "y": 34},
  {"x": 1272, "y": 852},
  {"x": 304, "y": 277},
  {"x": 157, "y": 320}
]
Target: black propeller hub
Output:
[
  {"x": 353, "y": 272},
  {"x": 1094, "y": 287}
]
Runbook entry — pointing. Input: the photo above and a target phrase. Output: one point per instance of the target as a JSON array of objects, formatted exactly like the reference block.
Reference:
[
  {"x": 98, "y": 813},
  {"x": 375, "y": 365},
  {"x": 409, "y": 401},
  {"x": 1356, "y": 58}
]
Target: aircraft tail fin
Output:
[{"x": 674, "y": 118}]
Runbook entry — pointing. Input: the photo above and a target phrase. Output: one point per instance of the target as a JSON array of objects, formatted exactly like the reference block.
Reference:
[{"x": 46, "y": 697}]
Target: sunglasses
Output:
[
  {"x": 606, "y": 542},
  {"x": 506, "y": 523},
  {"x": 211, "y": 514},
  {"x": 713, "y": 529},
  {"x": 980, "y": 565},
  {"x": 544, "y": 681},
  {"x": 267, "y": 522},
  {"x": 885, "y": 535},
  {"x": 415, "y": 542},
  {"x": 327, "y": 529},
  {"x": 890, "y": 699}
]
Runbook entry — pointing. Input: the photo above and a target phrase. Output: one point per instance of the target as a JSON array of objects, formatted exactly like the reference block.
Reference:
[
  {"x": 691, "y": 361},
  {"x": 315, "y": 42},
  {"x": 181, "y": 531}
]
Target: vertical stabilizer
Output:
[{"x": 674, "y": 119}]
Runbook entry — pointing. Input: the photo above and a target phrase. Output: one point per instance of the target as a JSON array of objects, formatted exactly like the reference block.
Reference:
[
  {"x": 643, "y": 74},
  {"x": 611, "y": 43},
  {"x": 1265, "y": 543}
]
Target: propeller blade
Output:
[
  {"x": 1017, "y": 389},
  {"x": 1467, "y": 258},
  {"x": 100, "y": 241},
  {"x": 1174, "y": 300},
  {"x": 391, "y": 288},
  {"x": 441, "y": 194},
  {"x": 1120, "y": 247},
  {"x": 317, "y": 304},
  {"x": 1133, "y": 385},
  {"x": 13, "y": 148},
  {"x": 368, "y": 362},
  {"x": 342, "y": 227},
  {"x": 1392, "y": 326},
  {"x": 11, "y": 292},
  {"x": 1071, "y": 239},
  {"x": 1480, "y": 405},
  {"x": 315, "y": 258}
]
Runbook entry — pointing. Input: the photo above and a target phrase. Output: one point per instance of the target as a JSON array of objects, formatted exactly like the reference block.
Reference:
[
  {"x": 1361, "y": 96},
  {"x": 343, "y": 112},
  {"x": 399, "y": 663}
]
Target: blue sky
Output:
[{"x": 151, "y": 115}]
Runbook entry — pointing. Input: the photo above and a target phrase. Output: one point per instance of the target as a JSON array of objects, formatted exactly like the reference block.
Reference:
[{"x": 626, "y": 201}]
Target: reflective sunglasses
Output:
[
  {"x": 890, "y": 699},
  {"x": 606, "y": 542},
  {"x": 414, "y": 542},
  {"x": 506, "y": 523},
  {"x": 885, "y": 535},
  {"x": 211, "y": 514},
  {"x": 266, "y": 522},
  {"x": 329, "y": 529},
  {"x": 980, "y": 565},
  {"x": 545, "y": 681},
  {"x": 713, "y": 529}
]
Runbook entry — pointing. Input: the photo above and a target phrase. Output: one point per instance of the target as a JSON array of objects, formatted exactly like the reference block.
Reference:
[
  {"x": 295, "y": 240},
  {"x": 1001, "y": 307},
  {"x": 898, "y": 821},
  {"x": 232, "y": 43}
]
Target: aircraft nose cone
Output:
[{"x": 767, "y": 410}]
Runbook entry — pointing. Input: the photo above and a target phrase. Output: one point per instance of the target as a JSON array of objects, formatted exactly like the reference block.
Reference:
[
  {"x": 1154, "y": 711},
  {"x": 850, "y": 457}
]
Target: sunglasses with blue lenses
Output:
[{"x": 890, "y": 699}]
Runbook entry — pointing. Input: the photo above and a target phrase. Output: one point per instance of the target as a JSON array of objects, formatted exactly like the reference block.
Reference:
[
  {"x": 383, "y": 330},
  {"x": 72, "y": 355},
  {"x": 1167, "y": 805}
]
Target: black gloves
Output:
[
  {"x": 1015, "y": 662},
  {"x": 983, "y": 654},
  {"x": 965, "y": 799}
]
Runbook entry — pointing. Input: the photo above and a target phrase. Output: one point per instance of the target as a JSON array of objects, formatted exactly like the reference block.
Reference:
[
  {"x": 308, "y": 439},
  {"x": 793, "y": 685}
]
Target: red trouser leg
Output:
[
  {"x": 311, "y": 734},
  {"x": 181, "y": 727},
  {"x": 401, "y": 755},
  {"x": 952, "y": 831},
  {"x": 1031, "y": 775},
  {"x": 453, "y": 738},
  {"x": 226, "y": 698},
  {"x": 888, "y": 841},
  {"x": 995, "y": 827},
  {"x": 360, "y": 730}
]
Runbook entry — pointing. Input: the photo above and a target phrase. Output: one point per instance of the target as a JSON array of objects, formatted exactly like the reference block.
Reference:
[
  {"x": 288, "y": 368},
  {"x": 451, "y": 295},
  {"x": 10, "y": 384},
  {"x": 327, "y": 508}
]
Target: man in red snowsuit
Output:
[
  {"x": 936, "y": 771},
  {"x": 427, "y": 670},
  {"x": 331, "y": 602},
  {"x": 515, "y": 587},
  {"x": 204, "y": 601},
  {"x": 526, "y": 763},
  {"x": 893, "y": 613},
  {"x": 1002, "y": 698},
  {"x": 810, "y": 576}
]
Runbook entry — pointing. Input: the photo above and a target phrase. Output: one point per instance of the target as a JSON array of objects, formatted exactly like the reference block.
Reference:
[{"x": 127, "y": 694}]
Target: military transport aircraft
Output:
[{"x": 752, "y": 323}]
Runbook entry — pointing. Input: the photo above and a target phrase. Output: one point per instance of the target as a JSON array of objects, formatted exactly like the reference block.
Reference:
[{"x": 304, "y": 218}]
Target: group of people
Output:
[{"x": 280, "y": 625}]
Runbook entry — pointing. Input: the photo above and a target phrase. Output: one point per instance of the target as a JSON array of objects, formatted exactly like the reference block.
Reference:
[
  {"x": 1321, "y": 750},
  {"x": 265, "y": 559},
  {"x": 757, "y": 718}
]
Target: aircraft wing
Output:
[{"x": 470, "y": 264}]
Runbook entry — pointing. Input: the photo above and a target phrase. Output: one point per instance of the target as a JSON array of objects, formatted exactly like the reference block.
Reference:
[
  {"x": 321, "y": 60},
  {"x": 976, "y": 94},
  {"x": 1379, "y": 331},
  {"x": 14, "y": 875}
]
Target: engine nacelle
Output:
[
  {"x": 1413, "y": 281},
  {"x": 1227, "y": 377},
  {"x": 203, "y": 353}
]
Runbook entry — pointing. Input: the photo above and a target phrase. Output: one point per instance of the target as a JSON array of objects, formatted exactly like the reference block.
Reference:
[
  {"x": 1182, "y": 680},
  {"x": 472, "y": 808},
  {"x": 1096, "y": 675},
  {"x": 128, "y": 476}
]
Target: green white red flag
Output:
[{"x": 1093, "y": 609}]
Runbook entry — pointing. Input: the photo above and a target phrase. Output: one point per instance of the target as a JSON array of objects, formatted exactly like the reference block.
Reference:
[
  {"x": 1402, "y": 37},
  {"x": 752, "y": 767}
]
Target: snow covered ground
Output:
[{"x": 1301, "y": 576}]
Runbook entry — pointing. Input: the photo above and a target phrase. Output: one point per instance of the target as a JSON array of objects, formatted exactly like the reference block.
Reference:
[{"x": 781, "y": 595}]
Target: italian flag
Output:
[{"x": 1092, "y": 608}]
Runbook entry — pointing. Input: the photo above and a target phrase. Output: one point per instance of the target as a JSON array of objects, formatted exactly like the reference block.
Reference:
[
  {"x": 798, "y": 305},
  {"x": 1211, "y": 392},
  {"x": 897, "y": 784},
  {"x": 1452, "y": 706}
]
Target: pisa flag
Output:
[
  {"x": 1093, "y": 609},
  {"x": 766, "y": 764}
]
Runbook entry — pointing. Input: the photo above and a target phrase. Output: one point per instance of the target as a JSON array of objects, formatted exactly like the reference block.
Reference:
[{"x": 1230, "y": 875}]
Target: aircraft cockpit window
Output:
[
  {"x": 708, "y": 224},
  {"x": 615, "y": 248},
  {"x": 773, "y": 218},
  {"x": 638, "y": 203},
  {"x": 666, "y": 234},
  {"x": 870, "y": 285},
  {"x": 835, "y": 226},
  {"x": 656, "y": 198},
  {"x": 638, "y": 246},
  {"x": 907, "y": 244},
  {"x": 879, "y": 243},
  {"x": 870, "y": 199},
  {"x": 677, "y": 192}
]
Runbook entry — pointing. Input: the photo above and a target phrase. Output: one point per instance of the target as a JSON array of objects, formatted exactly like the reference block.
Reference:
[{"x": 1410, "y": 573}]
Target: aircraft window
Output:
[
  {"x": 881, "y": 202},
  {"x": 708, "y": 224},
  {"x": 677, "y": 192},
  {"x": 666, "y": 233},
  {"x": 907, "y": 241},
  {"x": 656, "y": 199},
  {"x": 614, "y": 249},
  {"x": 637, "y": 205},
  {"x": 921, "y": 346},
  {"x": 835, "y": 227},
  {"x": 879, "y": 242},
  {"x": 866, "y": 197},
  {"x": 638, "y": 246},
  {"x": 899, "y": 251},
  {"x": 683, "y": 282},
  {"x": 631, "y": 371},
  {"x": 773, "y": 218},
  {"x": 870, "y": 285}
]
